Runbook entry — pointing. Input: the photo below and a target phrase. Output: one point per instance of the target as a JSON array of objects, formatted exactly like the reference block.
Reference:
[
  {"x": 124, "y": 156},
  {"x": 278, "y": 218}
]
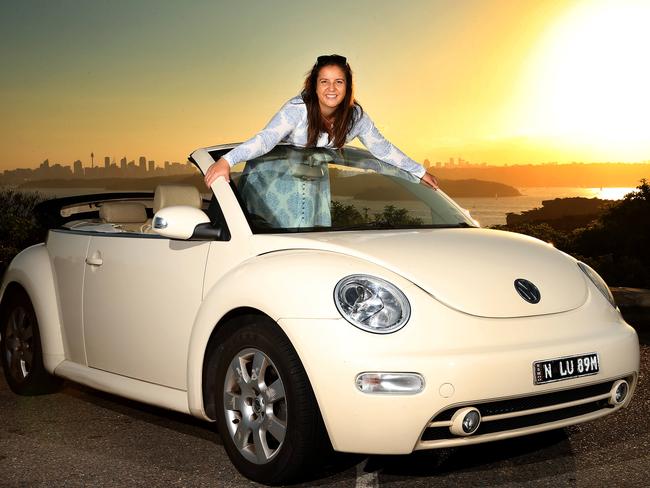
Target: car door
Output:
[
  {"x": 67, "y": 250},
  {"x": 141, "y": 295}
]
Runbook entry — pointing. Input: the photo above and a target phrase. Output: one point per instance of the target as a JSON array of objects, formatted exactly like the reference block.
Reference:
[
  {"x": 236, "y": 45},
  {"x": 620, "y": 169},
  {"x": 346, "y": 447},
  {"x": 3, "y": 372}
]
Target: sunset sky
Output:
[{"x": 486, "y": 80}]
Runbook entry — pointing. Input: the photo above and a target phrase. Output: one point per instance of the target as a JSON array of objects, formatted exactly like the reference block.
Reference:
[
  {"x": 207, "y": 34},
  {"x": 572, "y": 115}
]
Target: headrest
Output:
[
  {"x": 123, "y": 212},
  {"x": 169, "y": 195}
]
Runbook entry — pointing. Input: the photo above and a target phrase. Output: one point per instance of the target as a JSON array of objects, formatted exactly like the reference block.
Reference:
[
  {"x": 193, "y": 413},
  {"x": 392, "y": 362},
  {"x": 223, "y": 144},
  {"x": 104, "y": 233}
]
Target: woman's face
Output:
[{"x": 330, "y": 88}]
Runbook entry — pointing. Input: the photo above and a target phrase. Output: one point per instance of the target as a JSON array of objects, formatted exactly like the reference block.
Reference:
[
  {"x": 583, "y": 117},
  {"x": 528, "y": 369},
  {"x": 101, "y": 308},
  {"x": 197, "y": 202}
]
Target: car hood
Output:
[{"x": 470, "y": 270}]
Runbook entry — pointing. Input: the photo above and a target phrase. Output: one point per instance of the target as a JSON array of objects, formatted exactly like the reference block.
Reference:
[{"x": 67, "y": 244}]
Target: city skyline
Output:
[
  {"x": 107, "y": 162},
  {"x": 147, "y": 165},
  {"x": 490, "y": 80},
  {"x": 106, "y": 168}
]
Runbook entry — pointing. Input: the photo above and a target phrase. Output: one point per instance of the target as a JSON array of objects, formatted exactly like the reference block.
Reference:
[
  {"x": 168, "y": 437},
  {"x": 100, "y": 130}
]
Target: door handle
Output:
[{"x": 95, "y": 260}]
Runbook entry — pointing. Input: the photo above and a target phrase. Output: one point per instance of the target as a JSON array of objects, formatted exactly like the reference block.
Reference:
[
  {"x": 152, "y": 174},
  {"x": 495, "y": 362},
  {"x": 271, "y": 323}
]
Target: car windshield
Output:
[{"x": 294, "y": 189}]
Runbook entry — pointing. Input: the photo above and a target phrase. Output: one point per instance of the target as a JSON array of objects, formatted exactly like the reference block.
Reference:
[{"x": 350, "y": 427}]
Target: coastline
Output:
[{"x": 488, "y": 210}]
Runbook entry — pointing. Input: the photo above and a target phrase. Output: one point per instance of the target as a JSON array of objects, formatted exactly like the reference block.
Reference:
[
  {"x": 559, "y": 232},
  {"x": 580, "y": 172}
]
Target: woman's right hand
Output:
[{"x": 220, "y": 168}]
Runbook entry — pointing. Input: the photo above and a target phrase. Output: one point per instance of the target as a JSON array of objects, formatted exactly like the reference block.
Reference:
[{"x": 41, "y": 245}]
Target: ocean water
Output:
[{"x": 492, "y": 211}]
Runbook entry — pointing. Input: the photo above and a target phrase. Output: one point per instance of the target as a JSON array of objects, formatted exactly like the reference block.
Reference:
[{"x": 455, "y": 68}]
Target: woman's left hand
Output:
[{"x": 429, "y": 180}]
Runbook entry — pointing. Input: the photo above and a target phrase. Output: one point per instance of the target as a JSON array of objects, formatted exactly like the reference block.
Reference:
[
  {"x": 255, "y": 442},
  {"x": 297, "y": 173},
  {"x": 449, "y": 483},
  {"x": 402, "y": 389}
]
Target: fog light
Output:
[
  {"x": 395, "y": 383},
  {"x": 465, "y": 421},
  {"x": 619, "y": 392}
]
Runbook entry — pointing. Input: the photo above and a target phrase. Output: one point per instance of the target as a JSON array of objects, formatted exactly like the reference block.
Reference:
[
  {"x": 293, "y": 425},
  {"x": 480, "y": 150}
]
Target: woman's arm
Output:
[
  {"x": 382, "y": 149},
  {"x": 277, "y": 129}
]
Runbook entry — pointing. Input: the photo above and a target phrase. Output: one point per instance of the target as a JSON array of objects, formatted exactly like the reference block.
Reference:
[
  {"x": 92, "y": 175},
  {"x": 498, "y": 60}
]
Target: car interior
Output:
[{"x": 132, "y": 216}]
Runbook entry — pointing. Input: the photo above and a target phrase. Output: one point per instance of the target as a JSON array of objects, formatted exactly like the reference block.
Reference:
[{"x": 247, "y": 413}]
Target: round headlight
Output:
[
  {"x": 598, "y": 282},
  {"x": 372, "y": 304}
]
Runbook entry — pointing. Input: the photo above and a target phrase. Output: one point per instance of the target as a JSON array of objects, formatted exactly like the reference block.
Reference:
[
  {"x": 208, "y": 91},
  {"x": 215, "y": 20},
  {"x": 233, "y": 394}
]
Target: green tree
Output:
[
  {"x": 395, "y": 217},
  {"x": 344, "y": 215},
  {"x": 18, "y": 226},
  {"x": 618, "y": 243}
]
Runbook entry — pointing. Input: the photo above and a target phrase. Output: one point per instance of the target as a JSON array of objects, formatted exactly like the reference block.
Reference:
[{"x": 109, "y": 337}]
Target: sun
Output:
[{"x": 588, "y": 82}]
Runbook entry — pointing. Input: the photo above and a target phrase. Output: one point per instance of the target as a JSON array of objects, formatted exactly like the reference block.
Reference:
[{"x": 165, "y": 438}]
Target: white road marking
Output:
[{"x": 366, "y": 480}]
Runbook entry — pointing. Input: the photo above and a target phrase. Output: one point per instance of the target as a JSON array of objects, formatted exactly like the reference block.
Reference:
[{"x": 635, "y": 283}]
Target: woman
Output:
[{"x": 324, "y": 115}]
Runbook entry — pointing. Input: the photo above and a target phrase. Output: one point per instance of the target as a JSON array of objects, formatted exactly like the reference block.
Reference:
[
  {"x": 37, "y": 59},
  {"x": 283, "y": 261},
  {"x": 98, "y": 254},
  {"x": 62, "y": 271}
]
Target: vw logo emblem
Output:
[{"x": 527, "y": 290}]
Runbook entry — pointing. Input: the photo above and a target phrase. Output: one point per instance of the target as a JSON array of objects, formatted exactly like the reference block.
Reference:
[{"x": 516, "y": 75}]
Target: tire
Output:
[
  {"x": 267, "y": 415},
  {"x": 21, "y": 354}
]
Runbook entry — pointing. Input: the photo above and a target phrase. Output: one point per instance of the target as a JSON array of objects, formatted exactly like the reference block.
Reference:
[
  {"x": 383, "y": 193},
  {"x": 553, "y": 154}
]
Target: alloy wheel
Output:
[
  {"x": 19, "y": 344},
  {"x": 255, "y": 405}
]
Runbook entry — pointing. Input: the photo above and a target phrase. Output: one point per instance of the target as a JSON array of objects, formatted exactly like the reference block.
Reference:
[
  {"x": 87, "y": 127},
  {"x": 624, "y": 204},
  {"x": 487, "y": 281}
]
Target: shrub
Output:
[
  {"x": 615, "y": 244},
  {"x": 18, "y": 227},
  {"x": 618, "y": 242}
]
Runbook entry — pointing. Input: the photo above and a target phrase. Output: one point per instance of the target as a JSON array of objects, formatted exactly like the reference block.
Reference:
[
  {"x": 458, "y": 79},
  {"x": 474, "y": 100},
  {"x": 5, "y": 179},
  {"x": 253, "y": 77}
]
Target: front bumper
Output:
[{"x": 488, "y": 368}]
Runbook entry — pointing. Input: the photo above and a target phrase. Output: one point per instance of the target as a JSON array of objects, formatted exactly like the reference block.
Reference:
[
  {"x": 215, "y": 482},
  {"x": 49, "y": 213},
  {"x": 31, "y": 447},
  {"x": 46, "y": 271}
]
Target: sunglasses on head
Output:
[{"x": 331, "y": 58}]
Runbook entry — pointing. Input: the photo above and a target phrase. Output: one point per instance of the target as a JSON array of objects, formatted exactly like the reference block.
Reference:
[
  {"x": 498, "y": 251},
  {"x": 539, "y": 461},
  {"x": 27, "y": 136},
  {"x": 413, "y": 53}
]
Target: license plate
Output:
[{"x": 559, "y": 369}]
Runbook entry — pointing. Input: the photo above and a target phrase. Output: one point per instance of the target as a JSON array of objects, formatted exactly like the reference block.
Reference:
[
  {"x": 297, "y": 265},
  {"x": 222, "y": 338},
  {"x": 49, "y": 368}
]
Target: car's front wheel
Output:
[
  {"x": 20, "y": 348},
  {"x": 266, "y": 410}
]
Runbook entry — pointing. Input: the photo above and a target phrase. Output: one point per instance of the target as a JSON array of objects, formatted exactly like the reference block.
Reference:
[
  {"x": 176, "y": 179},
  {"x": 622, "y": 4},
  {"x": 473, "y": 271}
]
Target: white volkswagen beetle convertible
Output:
[{"x": 320, "y": 298}]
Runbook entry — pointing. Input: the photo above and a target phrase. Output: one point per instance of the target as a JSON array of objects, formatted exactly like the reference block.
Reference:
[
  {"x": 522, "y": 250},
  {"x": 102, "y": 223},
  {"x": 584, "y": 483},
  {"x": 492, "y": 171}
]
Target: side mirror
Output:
[{"x": 183, "y": 222}]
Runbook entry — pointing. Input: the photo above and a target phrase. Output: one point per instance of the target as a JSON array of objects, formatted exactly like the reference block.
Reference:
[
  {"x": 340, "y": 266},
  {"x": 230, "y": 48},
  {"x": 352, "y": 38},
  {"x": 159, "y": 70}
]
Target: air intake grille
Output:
[{"x": 520, "y": 412}]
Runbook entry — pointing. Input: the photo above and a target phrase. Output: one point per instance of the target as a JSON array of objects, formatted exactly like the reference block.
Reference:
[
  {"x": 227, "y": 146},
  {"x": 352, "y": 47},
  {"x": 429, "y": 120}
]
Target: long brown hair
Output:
[{"x": 345, "y": 114}]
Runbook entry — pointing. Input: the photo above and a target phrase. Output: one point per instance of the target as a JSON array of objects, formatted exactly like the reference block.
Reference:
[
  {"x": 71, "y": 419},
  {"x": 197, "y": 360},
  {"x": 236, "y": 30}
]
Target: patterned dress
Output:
[{"x": 289, "y": 192}]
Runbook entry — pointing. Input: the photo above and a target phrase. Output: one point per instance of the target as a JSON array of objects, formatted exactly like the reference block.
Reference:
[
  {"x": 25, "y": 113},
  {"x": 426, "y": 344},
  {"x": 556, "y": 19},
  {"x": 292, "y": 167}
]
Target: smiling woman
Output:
[
  {"x": 325, "y": 114},
  {"x": 587, "y": 83}
]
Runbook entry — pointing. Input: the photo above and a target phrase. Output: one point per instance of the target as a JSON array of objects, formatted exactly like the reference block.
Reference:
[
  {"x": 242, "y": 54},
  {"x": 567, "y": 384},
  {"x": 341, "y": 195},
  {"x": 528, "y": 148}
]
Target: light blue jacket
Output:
[{"x": 290, "y": 125}]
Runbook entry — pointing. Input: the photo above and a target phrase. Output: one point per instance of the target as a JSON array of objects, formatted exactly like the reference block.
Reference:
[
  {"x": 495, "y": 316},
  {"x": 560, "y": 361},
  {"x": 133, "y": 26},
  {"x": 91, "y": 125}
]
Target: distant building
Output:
[
  {"x": 107, "y": 162},
  {"x": 152, "y": 166},
  {"x": 58, "y": 171},
  {"x": 78, "y": 168},
  {"x": 123, "y": 164},
  {"x": 142, "y": 164},
  {"x": 93, "y": 172}
]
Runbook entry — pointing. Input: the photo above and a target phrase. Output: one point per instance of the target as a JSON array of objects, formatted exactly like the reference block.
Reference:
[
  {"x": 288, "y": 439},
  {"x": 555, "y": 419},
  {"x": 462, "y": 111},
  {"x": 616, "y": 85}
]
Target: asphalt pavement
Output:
[{"x": 79, "y": 437}]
